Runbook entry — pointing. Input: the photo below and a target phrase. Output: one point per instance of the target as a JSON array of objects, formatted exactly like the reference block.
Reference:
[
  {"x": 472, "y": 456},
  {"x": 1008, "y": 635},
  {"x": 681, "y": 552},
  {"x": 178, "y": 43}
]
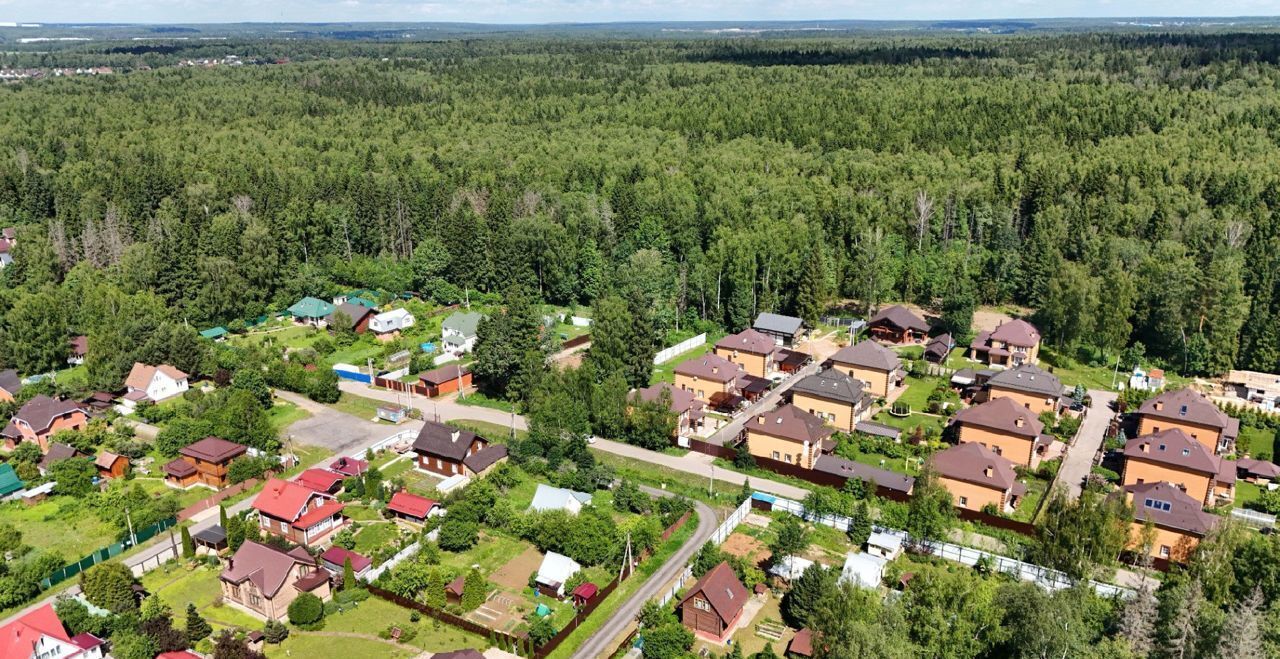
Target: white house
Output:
[
  {"x": 555, "y": 571},
  {"x": 790, "y": 568},
  {"x": 863, "y": 570},
  {"x": 558, "y": 498},
  {"x": 458, "y": 332},
  {"x": 885, "y": 545},
  {"x": 389, "y": 324},
  {"x": 153, "y": 383}
]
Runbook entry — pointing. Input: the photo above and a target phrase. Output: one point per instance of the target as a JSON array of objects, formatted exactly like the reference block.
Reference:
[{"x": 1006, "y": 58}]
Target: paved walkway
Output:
[
  {"x": 605, "y": 639},
  {"x": 729, "y": 432},
  {"x": 1079, "y": 461}
]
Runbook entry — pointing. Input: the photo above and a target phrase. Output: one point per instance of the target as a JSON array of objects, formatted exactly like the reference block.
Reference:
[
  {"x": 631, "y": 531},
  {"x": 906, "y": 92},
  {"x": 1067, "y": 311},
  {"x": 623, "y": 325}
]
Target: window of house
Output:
[
  {"x": 254, "y": 600},
  {"x": 1164, "y": 551},
  {"x": 701, "y": 604},
  {"x": 964, "y": 502},
  {"x": 235, "y": 592},
  {"x": 1155, "y": 429},
  {"x": 788, "y": 458},
  {"x": 776, "y": 456}
]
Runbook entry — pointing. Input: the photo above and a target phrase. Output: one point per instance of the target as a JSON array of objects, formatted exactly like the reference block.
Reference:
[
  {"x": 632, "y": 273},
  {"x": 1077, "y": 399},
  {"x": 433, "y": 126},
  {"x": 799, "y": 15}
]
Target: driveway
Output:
[
  {"x": 443, "y": 408},
  {"x": 605, "y": 639},
  {"x": 729, "y": 432},
  {"x": 1079, "y": 461},
  {"x": 339, "y": 432}
]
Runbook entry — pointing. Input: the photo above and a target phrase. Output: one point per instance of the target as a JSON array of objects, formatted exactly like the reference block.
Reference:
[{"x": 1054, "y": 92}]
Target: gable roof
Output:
[
  {"x": 397, "y": 315},
  {"x": 320, "y": 480},
  {"x": 283, "y": 499},
  {"x": 1016, "y": 332},
  {"x": 10, "y": 381},
  {"x": 890, "y": 480},
  {"x": 792, "y": 423},
  {"x": 1175, "y": 448},
  {"x": 709, "y": 367},
  {"x": 940, "y": 345},
  {"x": 1259, "y": 468},
  {"x": 214, "y": 332},
  {"x": 18, "y": 638},
  {"x": 356, "y": 312},
  {"x": 1185, "y": 513},
  {"x": 141, "y": 374},
  {"x": 970, "y": 462},
  {"x": 832, "y": 384},
  {"x": 41, "y": 410},
  {"x": 1001, "y": 414},
  {"x": 79, "y": 345},
  {"x": 749, "y": 340},
  {"x": 901, "y": 317},
  {"x": 57, "y": 453},
  {"x": 485, "y": 457},
  {"x": 213, "y": 449},
  {"x": 467, "y": 653},
  {"x": 9, "y": 481},
  {"x": 547, "y": 497},
  {"x": 265, "y": 566},
  {"x": 446, "y": 373},
  {"x": 772, "y": 322},
  {"x": 310, "y": 307},
  {"x": 349, "y": 466},
  {"x": 869, "y": 354},
  {"x": 106, "y": 460},
  {"x": 411, "y": 504},
  {"x": 556, "y": 569},
  {"x": 1185, "y": 405},
  {"x": 338, "y": 556},
  {"x": 437, "y": 439},
  {"x": 722, "y": 590},
  {"x": 464, "y": 323},
  {"x": 1029, "y": 378},
  {"x": 681, "y": 399}
]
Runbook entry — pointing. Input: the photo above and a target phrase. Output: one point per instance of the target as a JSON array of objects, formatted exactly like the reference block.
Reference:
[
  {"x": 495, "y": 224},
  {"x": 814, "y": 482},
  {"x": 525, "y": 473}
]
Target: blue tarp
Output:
[{"x": 761, "y": 496}]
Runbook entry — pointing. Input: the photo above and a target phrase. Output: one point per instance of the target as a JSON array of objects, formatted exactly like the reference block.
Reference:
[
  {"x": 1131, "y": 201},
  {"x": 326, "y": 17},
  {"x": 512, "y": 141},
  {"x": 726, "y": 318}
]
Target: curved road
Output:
[{"x": 602, "y": 642}]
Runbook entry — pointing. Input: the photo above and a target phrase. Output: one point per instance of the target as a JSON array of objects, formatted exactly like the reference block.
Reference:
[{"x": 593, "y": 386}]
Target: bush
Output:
[
  {"x": 275, "y": 632},
  {"x": 1106, "y": 473},
  {"x": 307, "y": 609},
  {"x": 458, "y": 535}
]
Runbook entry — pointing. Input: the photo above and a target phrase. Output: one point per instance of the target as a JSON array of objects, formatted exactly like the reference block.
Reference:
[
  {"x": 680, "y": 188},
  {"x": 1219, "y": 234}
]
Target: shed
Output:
[
  {"x": 9, "y": 481},
  {"x": 554, "y": 571},
  {"x": 212, "y": 539},
  {"x": 584, "y": 592},
  {"x": 218, "y": 333},
  {"x": 884, "y": 544},
  {"x": 863, "y": 570}
]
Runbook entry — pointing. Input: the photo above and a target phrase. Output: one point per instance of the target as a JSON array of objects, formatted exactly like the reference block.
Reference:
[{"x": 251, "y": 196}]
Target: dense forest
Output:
[{"x": 1122, "y": 185}]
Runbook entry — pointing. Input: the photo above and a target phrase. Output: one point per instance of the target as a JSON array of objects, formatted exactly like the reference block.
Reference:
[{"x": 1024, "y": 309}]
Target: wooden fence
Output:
[
  {"x": 211, "y": 501},
  {"x": 509, "y": 640},
  {"x": 575, "y": 342}
]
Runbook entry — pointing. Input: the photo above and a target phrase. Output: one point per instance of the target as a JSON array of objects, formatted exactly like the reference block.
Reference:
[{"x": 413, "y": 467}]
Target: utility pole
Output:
[
  {"x": 1115, "y": 374},
  {"x": 133, "y": 539},
  {"x": 711, "y": 482}
]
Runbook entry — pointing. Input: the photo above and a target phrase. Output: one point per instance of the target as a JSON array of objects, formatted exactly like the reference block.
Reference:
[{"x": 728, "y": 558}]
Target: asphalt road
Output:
[
  {"x": 729, "y": 431},
  {"x": 1079, "y": 459},
  {"x": 603, "y": 641}
]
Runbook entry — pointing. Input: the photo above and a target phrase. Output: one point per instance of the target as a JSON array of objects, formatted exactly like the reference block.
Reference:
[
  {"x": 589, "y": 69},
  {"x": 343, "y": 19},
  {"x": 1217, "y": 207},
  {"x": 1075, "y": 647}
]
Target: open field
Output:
[{"x": 60, "y": 525}]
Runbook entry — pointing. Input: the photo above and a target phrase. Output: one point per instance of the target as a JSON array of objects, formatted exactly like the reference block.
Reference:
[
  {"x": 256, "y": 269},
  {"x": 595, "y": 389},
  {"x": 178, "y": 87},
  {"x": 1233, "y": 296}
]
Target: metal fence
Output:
[
  {"x": 721, "y": 533},
  {"x": 684, "y": 346},
  {"x": 106, "y": 553},
  {"x": 1253, "y": 518},
  {"x": 1042, "y": 576},
  {"x": 391, "y": 562},
  {"x": 353, "y": 375}
]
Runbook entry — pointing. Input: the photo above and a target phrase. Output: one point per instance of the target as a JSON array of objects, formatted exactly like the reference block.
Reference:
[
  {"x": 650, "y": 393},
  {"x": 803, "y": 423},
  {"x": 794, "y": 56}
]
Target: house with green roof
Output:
[
  {"x": 459, "y": 331},
  {"x": 9, "y": 481},
  {"x": 311, "y": 311},
  {"x": 218, "y": 333}
]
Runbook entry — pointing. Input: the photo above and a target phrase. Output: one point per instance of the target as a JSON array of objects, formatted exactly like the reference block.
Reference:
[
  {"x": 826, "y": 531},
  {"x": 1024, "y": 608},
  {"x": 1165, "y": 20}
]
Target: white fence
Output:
[
  {"x": 168, "y": 552},
  {"x": 1253, "y": 518},
  {"x": 1044, "y": 577},
  {"x": 391, "y": 562},
  {"x": 684, "y": 346},
  {"x": 391, "y": 441},
  {"x": 718, "y": 536}
]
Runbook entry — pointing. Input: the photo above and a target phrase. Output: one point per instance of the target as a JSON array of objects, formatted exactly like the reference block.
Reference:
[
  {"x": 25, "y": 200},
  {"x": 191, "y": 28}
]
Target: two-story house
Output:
[
  {"x": 1011, "y": 343},
  {"x": 297, "y": 513},
  {"x": 785, "y": 330},
  {"x": 714, "y": 604},
  {"x": 262, "y": 580},
  {"x": 204, "y": 462},
  {"x": 1174, "y": 457},
  {"x": 1028, "y": 385},
  {"x": 1194, "y": 414},
  {"x": 788, "y": 434},
  {"x": 876, "y": 366},
  {"x": 41, "y": 417},
  {"x": 708, "y": 377},
  {"x": 976, "y": 478},
  {"x": 833, "y": 396},
  {"x": 450, "y": 451},
  {"x": 690, "y": 412},
  {"x": 753, "y": 351},
  {"x": 1179, "y": 520},
  {"x": 152, "y": 383},
  {"x": 1007, "y": 428},
  {"x": 39, "y": 634},
  {"x": 459, "y": 331},
  {"x": 897, "y": 324}
]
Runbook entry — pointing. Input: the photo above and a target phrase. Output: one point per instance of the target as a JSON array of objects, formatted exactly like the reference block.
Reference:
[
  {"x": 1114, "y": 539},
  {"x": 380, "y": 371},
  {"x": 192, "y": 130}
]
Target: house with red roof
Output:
[
  {"x": 40, "y": 635},
  {"x": 335, "y": 558},
  {"x": 263, "y": 580},
  {"x": 297, "y": 513},
  {"x": 713, "y": 605},
  {"x": 349, "y": 466},
  {"x": 321, "y": 480},
  {"x": 412, "y": 507}
]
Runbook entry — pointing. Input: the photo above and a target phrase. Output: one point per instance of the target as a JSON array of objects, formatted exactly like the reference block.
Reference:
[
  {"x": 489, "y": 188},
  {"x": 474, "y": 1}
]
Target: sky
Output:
[{"x": 561, "y": 11}]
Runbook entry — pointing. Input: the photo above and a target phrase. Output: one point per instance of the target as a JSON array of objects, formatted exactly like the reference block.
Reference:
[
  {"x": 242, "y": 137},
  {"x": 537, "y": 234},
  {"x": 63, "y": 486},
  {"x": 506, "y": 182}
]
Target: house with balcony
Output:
[
  {"x": 1011, "y": 343},
  {"x": 298, "y": 513},
  {"x": 262, "y": 580},
  {"x": 1171, "y": 456}
]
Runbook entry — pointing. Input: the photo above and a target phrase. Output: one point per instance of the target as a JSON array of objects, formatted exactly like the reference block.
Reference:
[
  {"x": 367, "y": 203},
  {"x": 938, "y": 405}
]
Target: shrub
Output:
[
  {"x": 1106, "y": 473},
  {"x": 307, "y": 609},
  {"x": 275, "y": 632},
  {"x": 458, "y": 535}
]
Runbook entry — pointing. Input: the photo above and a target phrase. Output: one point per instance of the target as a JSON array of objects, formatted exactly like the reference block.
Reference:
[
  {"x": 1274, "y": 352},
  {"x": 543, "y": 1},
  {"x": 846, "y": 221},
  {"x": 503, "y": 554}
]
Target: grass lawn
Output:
[
  {"x": 882, "y": 461},
  {"x": 358, "y": 406},
  {"x": 909, "y": 422},
  {"x": 374, "y": 615},
  {"x": 726, "y": 496},
  {"x": 323, "y": 645},
  {"x": 1257, "y": 440},
  {"x": 396, "y": 468},
  {"x": 1026, "y": 509},
  {"x": 375, "y": 535},
  {"x": 156, "y": 488},
  {"x": 178, "y": 585},
  {"x": 494, "y": 432},
  {"x": 420, "y": 483},
  {"x": 478, "y": 399},
  {"x": 665, "y": 372},
  {"x": 588, "y": 627},
  {"x": 282, "y": 333},
  {"x": 492, "y": 551},
  {"x": 61, "y": 525},
  {"x": 747, "y": 638},
  {"x": 283, "y": 414},
  {"x": 917, "y": 393},
  {"x": 1246, "y": 493},
  {"x": 358, "y": 353},
  {"x": 361, "y": 513}
]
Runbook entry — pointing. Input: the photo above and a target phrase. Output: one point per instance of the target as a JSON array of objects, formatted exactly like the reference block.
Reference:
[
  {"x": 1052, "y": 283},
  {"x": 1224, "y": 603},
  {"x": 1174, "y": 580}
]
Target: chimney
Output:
[
  {"x": 1019, "y": 422},
  {"x": 760, "y": 419},
  {"x": 987, "y": 471},
  {"x": 778, "y": 420},
  {"x": 453, "y": 437},
  {"x": 1159, "y": 405},
  {"x": 715, "y": 370}
]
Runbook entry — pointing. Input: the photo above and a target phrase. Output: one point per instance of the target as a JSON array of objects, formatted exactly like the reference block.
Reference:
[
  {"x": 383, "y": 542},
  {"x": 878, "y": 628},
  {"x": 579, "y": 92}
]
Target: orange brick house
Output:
[
  {"x": 1174, "y": 457},
  {"x": 876, "y": 366},
  {"x": 976, "y": 477},
  {"x": 689, "y": 411},
  {"x": 833, "y": 396},
  {"x": 788, "y": 434},
  {"x": 753, "y": 351},
  {"x": 40, "y": 418},
  {"x": 297, "y": 513},
  {"x": 10, "y": 385},
  {"x": 263, "y": 581},
  {"x": 1007, "y": 428},
  {"x": 1194, "y": 414},
  {"x": 1028, "y": 385},
  {"x": 708, "y": 377},
  {"x": 1179, "y": 521},
  {"x": 1011, "y": 343},
  {"x": 712, "y": 607}
]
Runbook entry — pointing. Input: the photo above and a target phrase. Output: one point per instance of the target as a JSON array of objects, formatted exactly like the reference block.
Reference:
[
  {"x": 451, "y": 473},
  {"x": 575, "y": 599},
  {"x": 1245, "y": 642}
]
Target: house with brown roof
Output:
[
  {"x": 1011, "y": 343},
  {"x": 151, "y": 383},
  {"x": 689, "y": 411},
  {"x": 788, "y": 434},
  {"x": 1005, "y": 427},
  {"x": 445, "y": 380},
  {"x": 1180, "y": 522},
  {"x": 357, "y": 313},
  {"x": 10, "y": 385},
  {"x": 297, "y": 513},
  {"x": 1172, "y": 456},
  {"x": 876, "y": 366},
  {"x": 450, "y": 451},
  {"x": 753, "y": 351},
  {"x": 203, "y": 463},
  {"x": 938, "y": 348},
  {"x": 710, "y": 378},
  {"x": 262, "y": 580},
  {"x": 57, "y": 453},
  {"x": 1257, "y": 471},
  {"x": 833, "y": 396},
  {"x": 897, "y": 324},
  {"x": 1028, "y": 385},
  {"x": 1194, "y": 414},
  {"x": 411, "y": 507},
  {"x": 712, "y": 607},
  {"x": 40, "y": 418},
  {"x": 110, "y": 465},
  {"x": 976, "y": 477}
]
